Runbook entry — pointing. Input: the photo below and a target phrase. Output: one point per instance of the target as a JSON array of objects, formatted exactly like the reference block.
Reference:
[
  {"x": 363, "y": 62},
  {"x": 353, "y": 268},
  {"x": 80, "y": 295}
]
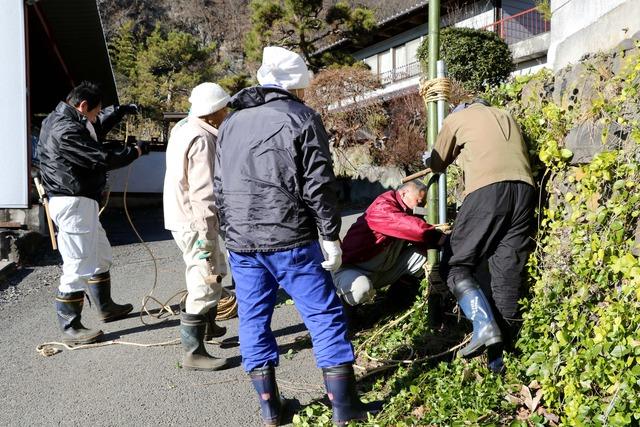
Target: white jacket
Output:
[{"x": 189, "y": 203}]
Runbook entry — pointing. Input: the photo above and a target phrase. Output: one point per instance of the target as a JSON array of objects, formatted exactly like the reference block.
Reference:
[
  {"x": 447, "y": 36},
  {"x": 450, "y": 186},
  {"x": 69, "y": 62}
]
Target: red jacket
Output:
[{"x": 387, "y": 219}]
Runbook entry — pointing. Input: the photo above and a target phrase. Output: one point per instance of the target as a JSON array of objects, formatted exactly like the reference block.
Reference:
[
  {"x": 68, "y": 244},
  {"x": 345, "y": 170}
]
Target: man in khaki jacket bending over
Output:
[
  {"x": 190, "y": 214},
  {"x": 494, "y": 221}
]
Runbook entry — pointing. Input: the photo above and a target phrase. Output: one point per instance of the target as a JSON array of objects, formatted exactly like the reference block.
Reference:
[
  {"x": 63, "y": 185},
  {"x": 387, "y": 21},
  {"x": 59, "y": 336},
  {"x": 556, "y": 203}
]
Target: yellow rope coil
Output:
[
  {"x": 227, "y": 306},
  {"x": 438, "y": 89}
]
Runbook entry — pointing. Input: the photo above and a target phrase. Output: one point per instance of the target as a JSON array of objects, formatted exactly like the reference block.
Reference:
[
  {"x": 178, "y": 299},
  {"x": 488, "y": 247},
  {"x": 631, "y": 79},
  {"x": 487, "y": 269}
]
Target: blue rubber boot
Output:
[
  {"x": 341, "y": 389},
  {"x": 475, "y": 306},
  {"x": 271, "y": 403}
]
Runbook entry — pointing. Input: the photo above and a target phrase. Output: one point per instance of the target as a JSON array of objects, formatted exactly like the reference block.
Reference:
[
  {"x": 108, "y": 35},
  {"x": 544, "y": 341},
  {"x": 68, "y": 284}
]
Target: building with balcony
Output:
[{"x": 391, "y": 53}]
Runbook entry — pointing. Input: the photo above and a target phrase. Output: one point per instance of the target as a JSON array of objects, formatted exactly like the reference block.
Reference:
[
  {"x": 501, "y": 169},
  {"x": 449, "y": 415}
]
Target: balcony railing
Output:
[
  {"x": 521, "y": 26},
  {"x": 400, "y": 73}
]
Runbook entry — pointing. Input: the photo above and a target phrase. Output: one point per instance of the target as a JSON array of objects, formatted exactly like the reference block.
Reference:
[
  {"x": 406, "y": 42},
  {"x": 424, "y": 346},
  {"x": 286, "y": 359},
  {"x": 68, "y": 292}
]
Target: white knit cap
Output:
[
  {"x": 207, "y": 98},
  {"x": 283, "y": 68}
]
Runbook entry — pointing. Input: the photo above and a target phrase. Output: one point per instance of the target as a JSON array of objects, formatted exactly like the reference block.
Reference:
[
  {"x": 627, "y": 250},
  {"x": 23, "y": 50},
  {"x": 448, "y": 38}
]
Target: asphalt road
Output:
[{"x": 126, "y": 385}]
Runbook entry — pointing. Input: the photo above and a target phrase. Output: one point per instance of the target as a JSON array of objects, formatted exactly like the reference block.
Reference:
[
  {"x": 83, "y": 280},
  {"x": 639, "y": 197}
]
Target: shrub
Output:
[
  {"x": 476, "y": 58},
  {"x": 349, "y": 117}
]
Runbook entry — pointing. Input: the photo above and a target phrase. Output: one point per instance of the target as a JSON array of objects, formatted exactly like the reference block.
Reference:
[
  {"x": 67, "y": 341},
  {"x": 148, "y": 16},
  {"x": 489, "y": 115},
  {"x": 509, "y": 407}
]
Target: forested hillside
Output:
[
  {"x": 224, "y": 22},
  {"x": 160, "y": 49}
]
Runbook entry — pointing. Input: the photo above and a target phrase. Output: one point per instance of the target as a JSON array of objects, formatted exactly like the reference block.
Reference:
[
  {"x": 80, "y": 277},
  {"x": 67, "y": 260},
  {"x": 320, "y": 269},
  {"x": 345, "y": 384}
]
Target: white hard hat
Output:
[
  {"x": 207, "y": 98},
  {"x": 284, "y": 68}
]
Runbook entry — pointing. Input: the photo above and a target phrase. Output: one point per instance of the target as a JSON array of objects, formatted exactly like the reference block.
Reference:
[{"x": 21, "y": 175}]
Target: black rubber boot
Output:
[
  {"x": 495, "y": 362},
  {"x": 68, "y": 309},
  {"x": 510, "y": 331},
  {"x": 99, "y": 289},
  {"x": 340, "y": 383},
  {"x": 212, "y": 330},
  {"x": 271, "y": 403},
  {"x": 475, "y": 306},
  {"x": 196, "y": 357}
]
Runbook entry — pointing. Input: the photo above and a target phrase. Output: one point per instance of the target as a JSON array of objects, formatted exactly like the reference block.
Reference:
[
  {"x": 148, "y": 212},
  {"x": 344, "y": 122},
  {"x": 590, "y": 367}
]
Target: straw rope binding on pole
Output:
[{"x": 433, "y": 90}]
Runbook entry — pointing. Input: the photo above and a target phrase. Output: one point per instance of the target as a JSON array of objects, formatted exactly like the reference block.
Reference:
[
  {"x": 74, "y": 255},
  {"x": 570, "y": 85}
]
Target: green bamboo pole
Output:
[{"x": 432, "y": 116}]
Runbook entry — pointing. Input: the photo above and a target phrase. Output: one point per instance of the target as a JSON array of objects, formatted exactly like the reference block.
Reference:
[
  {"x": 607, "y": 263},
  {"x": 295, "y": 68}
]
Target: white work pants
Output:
[
  {"x": 82, "y": 241},
  {"x": 201, "y": 296},
  {"x": 357, "y": 283}
]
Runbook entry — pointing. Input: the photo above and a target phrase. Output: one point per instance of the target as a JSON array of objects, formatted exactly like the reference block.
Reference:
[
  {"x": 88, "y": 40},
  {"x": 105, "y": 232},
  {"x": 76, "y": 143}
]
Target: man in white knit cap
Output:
[
  {"x": 190, "y": 214},
  {"x": 275, "y": 190}
]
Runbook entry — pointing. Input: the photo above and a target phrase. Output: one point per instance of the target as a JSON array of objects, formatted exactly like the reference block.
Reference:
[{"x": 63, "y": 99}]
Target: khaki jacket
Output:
[
  {"x": 488, "y": 145},
  {"x": 189, "y": 203}
]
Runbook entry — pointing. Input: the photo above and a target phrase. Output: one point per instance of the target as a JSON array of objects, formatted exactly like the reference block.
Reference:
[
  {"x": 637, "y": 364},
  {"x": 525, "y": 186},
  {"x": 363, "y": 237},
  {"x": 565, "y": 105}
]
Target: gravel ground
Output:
[{"x": 126, "y": 385}]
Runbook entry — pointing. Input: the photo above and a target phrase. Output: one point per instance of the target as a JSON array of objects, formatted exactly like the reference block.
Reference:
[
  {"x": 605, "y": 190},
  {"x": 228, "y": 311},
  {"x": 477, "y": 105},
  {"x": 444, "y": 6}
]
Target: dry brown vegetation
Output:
[{"x": 336, "y": 93}]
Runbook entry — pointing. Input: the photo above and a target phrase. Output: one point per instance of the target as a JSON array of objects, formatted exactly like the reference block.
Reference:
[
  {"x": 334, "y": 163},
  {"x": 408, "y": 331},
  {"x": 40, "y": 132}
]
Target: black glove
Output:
[
  {"x": 128, "y": 109},
  {"x": 144, "y": 147}
]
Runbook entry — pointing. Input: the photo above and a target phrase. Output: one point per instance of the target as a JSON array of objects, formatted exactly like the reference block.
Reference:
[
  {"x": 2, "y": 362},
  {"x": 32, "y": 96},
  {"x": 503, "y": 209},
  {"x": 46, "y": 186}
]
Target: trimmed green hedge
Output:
[{"x": 475, "y": 58}]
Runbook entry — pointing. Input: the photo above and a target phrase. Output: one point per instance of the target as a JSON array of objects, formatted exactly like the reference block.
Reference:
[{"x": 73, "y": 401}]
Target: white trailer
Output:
[{"x": 46, "y": 48}]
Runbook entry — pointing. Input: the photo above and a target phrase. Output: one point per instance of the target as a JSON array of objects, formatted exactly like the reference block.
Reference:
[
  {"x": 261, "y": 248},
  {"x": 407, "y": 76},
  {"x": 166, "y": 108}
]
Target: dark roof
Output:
[
  {"x": 387, "y": 28},
  {"x": 74, "y": 28}
]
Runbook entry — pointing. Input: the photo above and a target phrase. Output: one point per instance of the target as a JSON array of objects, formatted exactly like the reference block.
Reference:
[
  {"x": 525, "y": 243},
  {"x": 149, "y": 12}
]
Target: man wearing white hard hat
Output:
[
  {"x": 275, "y": 189},
  {"x": 190, "y": 214}
]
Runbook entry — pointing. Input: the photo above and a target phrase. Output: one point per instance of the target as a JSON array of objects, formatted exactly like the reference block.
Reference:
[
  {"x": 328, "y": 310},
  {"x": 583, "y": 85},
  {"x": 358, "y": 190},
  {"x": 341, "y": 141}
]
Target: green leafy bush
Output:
[
  {"x": 476, "y": 58},
  {"x": 578, "y": 359},
  {"x": 581, "y": 336}
]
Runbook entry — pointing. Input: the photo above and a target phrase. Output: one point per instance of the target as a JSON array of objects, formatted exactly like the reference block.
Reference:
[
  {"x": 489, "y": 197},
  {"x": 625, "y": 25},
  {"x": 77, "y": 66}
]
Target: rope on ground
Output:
[
  {"x": 48, "y": 349},
  {"x": 392, "y": 363},
  {"x": 52, "y": 348},
  {"x": 227, "y": 306},
  {"x": 166, "y": 306},
  {"x": 433, "y": 90}
]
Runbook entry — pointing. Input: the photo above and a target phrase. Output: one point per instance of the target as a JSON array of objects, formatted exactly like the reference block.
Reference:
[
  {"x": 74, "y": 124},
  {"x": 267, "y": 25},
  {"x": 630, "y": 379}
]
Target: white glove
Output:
[
  {"x": 334, "y": 255},
  {"x": 426, "y": 158}
]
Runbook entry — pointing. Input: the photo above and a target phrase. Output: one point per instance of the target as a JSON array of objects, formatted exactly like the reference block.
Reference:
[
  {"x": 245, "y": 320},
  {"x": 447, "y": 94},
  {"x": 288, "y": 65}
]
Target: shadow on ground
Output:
[{"x": 149, "y": 222}]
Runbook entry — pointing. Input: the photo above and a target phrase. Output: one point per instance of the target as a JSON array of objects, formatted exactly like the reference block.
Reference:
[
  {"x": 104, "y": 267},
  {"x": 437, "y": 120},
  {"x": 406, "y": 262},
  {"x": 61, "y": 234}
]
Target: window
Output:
[
  {"x": 372, "y": 62},
  {"x": 385, "y": 62},
  {"x": 412, "y": 51},
  {"x": 400, "y": 54}
]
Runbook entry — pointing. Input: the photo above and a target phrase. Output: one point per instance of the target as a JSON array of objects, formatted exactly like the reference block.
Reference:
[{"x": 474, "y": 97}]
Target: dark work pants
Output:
[{"x": 494, "y": 222}]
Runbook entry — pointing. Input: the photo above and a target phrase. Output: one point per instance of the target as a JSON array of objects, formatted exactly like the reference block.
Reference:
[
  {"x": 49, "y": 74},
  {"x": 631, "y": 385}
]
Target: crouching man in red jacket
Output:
[{"x": 387, "y": 242}]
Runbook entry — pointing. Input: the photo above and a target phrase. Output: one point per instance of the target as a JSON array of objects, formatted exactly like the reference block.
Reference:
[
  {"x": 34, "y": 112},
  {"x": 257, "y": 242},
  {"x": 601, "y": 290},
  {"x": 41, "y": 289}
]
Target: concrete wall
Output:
[
  {"x": 145, "y": 175},
  {"x": 478, "y": 21},
  {"x": 579, "y": 27}
]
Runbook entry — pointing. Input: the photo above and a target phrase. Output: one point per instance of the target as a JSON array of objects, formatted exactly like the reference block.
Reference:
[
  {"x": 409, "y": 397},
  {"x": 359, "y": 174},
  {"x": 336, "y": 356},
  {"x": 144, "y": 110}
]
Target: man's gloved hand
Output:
[
  {"x": 143, "y": 146},
  {"x": 445, "y": 228},
  {"x": 426, "y": 158},
  {"x": 334, "y": 255},
  {"x": 128, "y": 109},
  {"x": 205, "y": 247}
]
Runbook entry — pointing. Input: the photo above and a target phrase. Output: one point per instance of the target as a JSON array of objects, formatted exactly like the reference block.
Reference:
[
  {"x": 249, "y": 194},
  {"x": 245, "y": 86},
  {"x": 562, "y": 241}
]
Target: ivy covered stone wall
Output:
[
  {"x": 577, "y": 361},
  {"x": 581, "y": 335}
]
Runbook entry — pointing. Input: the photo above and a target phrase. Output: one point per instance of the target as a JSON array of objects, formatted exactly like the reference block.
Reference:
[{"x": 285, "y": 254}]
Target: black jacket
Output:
[
  {"x": 72, "y": 163},
  {"x": 274, "y": 181}
]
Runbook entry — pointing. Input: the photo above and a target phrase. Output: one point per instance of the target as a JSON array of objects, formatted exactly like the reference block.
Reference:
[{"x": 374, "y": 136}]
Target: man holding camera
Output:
[{"x": 73, "y": 169}]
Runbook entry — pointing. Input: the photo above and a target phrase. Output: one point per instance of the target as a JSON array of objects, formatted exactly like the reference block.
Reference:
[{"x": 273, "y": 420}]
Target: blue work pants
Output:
[{"x": 298, "y": 271}]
